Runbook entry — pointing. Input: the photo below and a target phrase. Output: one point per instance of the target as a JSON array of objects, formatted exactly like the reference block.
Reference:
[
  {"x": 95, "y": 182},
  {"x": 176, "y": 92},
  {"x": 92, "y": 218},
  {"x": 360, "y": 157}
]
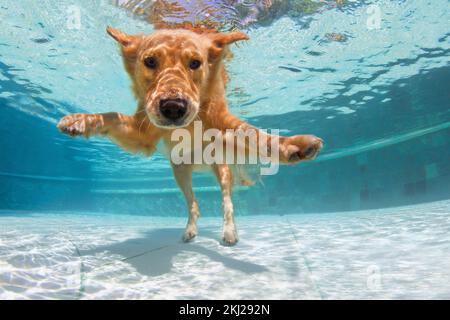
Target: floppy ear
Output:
[
  {"x": 221, "y": 40},
  {"x": 129, "y": 45}
]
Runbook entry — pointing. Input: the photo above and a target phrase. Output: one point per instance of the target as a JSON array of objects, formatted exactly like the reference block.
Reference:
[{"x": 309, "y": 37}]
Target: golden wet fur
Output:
[{"x": 161, "y": 67}]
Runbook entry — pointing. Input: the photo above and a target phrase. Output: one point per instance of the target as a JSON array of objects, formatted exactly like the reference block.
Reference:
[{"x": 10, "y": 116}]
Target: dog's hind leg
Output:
[
  {"x": 183, "y": 176},
  {"x": 225, "y": 178}
]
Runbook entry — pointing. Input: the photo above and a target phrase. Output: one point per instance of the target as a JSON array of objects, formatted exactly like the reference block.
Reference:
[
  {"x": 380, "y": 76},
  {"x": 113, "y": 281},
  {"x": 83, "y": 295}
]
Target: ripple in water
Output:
[{"x": 222, "y": 14}]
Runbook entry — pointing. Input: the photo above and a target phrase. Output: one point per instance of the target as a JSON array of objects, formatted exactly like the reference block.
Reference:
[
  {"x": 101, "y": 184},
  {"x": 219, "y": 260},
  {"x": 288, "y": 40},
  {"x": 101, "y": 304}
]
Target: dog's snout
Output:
[{"x": 173, "y": 109}]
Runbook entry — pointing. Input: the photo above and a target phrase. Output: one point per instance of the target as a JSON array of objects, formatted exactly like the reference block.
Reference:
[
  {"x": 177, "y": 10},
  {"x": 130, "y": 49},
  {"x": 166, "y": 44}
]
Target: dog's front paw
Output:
[
  {"x": 229, "y": 236},
  {"x": 78, "y": 124},
  {"x": 301, "y": 147}
]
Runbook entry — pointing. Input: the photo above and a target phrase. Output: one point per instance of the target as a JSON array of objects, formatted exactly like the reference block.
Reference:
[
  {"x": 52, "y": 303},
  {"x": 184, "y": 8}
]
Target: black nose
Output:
[{"x": 173, "y": 109}]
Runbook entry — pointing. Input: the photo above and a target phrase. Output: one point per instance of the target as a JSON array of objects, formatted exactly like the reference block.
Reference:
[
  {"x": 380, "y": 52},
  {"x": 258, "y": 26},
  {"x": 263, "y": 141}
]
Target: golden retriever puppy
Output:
[{"x": 178, "y": 79}]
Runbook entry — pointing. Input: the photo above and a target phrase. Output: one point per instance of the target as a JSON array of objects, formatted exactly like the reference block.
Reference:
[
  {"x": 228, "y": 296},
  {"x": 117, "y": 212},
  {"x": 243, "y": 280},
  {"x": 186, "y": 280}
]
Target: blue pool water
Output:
[{"x": 376, "y": 91}]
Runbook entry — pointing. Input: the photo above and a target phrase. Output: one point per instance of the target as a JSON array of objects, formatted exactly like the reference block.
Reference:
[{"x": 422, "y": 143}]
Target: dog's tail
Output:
[{"x": 245, "y": 175}]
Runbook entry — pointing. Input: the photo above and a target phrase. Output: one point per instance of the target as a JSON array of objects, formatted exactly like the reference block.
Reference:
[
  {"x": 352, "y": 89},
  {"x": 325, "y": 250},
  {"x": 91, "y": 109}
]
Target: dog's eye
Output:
[
  {"x": 150, "y": 62},
  {"x": 195, "y": 64}
]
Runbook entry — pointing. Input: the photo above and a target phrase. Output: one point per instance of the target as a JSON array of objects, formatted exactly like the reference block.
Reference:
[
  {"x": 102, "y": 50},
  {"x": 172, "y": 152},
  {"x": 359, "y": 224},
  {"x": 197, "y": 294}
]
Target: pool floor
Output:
[{"x": 394, "y": 253}]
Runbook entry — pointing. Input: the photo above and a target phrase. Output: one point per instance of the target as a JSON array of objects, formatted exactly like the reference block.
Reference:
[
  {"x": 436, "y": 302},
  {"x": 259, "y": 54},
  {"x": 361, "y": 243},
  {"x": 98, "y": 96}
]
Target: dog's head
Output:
[{"x": 172, "y": 70}]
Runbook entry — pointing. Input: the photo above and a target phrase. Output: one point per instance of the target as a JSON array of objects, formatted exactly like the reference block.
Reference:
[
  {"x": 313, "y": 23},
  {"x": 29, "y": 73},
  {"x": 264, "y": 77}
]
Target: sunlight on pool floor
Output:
[{"x": 388, "y": 253}]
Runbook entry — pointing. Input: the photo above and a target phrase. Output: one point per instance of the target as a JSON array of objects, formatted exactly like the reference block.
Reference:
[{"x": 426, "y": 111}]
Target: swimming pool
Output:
[{"x": 369, "y": 218}]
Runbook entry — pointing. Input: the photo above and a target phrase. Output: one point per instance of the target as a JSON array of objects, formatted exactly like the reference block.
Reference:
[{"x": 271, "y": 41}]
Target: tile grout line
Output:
[{"x": 308, "y": 268}]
